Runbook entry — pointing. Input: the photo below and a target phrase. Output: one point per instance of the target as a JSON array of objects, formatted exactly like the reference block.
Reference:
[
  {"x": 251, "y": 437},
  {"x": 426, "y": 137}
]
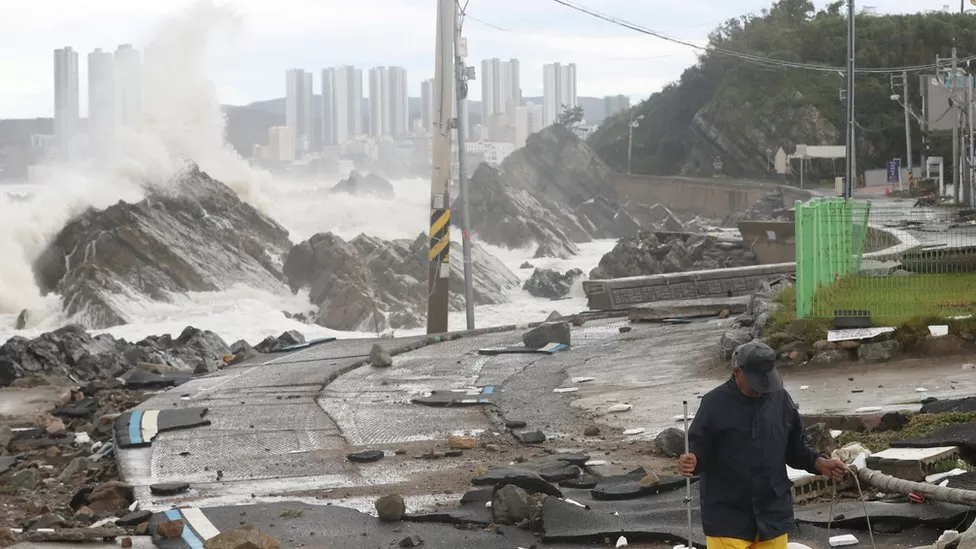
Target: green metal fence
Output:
[{"x": 830, "y": 240}]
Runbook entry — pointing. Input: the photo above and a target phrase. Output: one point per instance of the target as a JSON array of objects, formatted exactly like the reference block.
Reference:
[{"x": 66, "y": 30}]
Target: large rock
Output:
[
  {"x": 553, "y": 192},
  {"x": 650, "y": 253},
  {"x": 73, "y": 351},
  {"x": 550, "y": 284},
  {"x": 671, "y": 442},
  {"x": 196, "y": 235},
  {"x": 546, "y": 333},
  {"x": 245, "y": 537},
  {"x": 369, "y": 184},
  {"x": 370, "y": 284}
]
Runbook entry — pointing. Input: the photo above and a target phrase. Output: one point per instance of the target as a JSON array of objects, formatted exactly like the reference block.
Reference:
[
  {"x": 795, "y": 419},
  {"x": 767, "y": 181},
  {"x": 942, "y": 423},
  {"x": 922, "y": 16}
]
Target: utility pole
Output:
[
  {"x": 968, "y": 189},
  {"x": 908, "y": 126},
  {"x": 956, "y": 114},
  {"x": 439, "y": 256},
  {"x": 461, "y": 94},
  {"x": 634, "y": 122},
  {"x": 851, "y": 168}
]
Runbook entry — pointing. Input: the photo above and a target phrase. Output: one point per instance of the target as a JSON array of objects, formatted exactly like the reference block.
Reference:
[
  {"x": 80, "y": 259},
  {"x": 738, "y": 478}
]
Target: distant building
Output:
[
  {"x": 128, "y": 85},
  {"x": 500, "y": 84},
  {"x": 612, "y": 104},
  {"x": 342, "y": 103},
  {"x": 389, "y": 104},
  {"x": 559, "y": 91},
  {"x": 281, "y": 144},
  {"x": 101, "y": 99},
  {"x": 298, "y": 108},
  {"x": 66, "y": 114}
]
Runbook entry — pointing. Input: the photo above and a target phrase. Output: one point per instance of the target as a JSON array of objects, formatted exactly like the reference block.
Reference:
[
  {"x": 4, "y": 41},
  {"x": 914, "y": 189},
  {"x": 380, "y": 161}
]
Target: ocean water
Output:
[
  {"x": 304, "y": 208},
  {"x": 182, "y": 122}
]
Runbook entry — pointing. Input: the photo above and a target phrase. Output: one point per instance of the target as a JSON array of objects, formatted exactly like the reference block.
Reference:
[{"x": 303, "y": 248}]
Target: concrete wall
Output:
[
  {"x": 775, "y": 241},
  {"x": 709, "y": 197},
  {"x": 623, "y": 293}
]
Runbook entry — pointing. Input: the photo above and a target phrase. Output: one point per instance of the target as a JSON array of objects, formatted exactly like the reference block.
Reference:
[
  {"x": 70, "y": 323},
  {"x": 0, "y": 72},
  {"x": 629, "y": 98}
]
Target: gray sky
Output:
[{"x": 248, "y": 62}]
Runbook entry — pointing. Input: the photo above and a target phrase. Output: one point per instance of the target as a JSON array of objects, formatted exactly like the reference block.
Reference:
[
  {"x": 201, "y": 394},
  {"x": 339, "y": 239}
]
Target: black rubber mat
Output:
[
  {"x": 662, "y": 517},
  {"x": 967, "y": 404},
  {"x": 965, "y": 481},
  {"x": 962, "y": 435},
  {"x": 444, "y": 399},
  {"x": 302, "y": 525},
  {"x": 139, "y": 427},
  {"x": 850, "y": 514}
]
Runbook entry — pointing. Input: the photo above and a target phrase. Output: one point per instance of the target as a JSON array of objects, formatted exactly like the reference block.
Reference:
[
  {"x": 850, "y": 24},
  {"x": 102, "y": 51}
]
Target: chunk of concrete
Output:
[{"x": 547, "y": 332}]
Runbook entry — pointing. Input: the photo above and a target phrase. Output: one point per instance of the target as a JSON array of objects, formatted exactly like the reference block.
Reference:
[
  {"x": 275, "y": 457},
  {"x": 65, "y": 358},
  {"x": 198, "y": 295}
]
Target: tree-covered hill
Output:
[{"x": 736, "y": 110}]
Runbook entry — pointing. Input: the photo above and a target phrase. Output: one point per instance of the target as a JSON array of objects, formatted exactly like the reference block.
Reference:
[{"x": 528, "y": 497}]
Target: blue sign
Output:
[{"x": 894, "y": 170}]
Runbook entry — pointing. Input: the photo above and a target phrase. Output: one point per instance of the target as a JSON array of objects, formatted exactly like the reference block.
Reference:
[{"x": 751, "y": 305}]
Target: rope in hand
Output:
[{"x": 860, "y": 494}]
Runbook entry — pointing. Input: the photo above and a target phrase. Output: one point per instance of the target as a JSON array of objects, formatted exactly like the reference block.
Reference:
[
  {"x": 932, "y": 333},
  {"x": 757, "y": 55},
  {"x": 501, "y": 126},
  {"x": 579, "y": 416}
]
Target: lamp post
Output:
[{"x": 634, "y": 122}]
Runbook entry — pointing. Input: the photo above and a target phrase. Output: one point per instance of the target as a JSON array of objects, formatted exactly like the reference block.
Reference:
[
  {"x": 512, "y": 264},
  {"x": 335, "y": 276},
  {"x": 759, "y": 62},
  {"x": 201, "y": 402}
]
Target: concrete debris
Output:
[
  {"x": 618, "y": 408},
  {"x": 380, "y": 357},
  {"x": 170, "y": 529},
  {"x": 513, "y": 505},
  {"x": 462, "y": 443},
  {"x": 621, "y": 542},
  {"x": 71, "y": 535},
  {"x": 245, "y": 537},
  {"x": 111, "y": 497},
  {"x": 545, "y": 333},
  {"x": 530, "y": 437},
  {"x": 633, "y": 432},
  {"x": 650, "y": 480},
  {"x": 391, "y": 508}
]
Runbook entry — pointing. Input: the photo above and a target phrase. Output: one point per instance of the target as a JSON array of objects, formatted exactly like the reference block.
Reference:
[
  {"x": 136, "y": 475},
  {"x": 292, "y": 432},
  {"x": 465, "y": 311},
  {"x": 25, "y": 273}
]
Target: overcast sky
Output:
[{"x": 249, "y": 63}]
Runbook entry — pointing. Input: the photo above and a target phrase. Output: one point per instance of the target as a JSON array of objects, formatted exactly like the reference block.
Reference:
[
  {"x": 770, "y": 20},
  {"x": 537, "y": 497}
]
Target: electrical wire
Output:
[{"x": 752, "y": 58}]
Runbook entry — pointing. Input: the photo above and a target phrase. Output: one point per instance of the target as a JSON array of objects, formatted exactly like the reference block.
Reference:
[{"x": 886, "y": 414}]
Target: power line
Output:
[{"x": 757, "y": 59}]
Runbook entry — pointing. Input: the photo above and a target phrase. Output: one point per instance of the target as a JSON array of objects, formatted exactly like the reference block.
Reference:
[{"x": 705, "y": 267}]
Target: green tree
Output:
[{"x": 571, "y": 116}]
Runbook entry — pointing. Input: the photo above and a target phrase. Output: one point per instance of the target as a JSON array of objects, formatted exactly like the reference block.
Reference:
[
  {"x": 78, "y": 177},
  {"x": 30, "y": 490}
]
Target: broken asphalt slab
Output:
[
  {"x": 549, "y": 349},
  {"x": 140, "y": 379},
  {"x": 138, "y": 428},
  {"x": 698, "y": 308},
  {"x": 962, "y": 435},
  {"x": 850, "y": 514},
  {"x": 303, "y": 345},
  {"x": 446, "y": 398},
  {"x": 302, "y": 525}
]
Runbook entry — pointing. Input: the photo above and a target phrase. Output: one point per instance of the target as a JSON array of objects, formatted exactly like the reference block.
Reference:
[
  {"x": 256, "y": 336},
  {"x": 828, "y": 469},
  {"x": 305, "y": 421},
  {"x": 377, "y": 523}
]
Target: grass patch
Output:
[
  {"x": 921, "y": 425},
  {"x": 291, "y": 513},
  {"x": 894, "y": 300}
]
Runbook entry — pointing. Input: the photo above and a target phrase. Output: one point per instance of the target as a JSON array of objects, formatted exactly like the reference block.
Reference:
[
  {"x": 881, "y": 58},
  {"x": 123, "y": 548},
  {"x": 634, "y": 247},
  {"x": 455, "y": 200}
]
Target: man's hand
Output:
[
  {"x": 832, "y": 468},
  {"x": 687, "y": 464}
]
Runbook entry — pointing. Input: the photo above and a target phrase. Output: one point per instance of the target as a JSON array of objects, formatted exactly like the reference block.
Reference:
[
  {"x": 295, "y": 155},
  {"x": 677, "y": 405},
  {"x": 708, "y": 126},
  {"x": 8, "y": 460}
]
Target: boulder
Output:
[
  {"x": 671, "y": 442},
  {"x": 553, "y": 192},
  {"x": 362, "y": 185},
  {"x": 650, "y": 253},
  {"x": 513, "y": 505},
  {"x": 171, "y": 529},
  {"x": 380, "y": 357},
  {"x": 878, "y": 352},
  {"x": 391, "y": 508},
  {"x": 370, "y": 284},
  {"x": 245, "y": 537},
  {"x": 550, "y": 284},
  {"x": 194, "y": 235},
  {"x": 111, "y": 497},
  {"x": 731, "y": 339},
  {"x": 546, "y": 333},
  {"x": 828, "y": 357}
]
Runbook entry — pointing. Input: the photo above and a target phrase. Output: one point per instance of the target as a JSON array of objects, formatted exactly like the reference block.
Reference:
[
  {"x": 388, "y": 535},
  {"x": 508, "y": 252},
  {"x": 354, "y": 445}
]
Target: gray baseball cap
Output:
[{"x": 758, "y": 363}]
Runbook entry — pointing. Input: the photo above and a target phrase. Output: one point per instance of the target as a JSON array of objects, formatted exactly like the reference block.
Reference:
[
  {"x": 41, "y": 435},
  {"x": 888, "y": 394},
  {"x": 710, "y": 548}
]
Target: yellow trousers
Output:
[{"x": 731, "y": 543}]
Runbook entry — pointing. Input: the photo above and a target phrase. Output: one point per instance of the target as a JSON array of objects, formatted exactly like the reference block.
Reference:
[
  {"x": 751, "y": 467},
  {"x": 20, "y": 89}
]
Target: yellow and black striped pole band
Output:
[{"x": 440, "y": 235}]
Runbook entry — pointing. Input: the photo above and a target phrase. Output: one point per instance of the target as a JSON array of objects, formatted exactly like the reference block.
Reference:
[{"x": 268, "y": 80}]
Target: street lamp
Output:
[{"x": 634, "y": 122}]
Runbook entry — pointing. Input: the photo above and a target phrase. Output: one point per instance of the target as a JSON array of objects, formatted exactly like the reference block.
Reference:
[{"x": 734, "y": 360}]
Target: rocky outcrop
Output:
[
  {"x": 648, "y": 253},
  {"x": 370, "y": 284},
  {"x": 551, "y": 284},
  {"x": 360, "y": 185},
  {"x": 72, "y": 351},
  {"x": 553, "y": 192},
  {"x": 768, "y": 208},
  {"x": 196, "y": 236}
]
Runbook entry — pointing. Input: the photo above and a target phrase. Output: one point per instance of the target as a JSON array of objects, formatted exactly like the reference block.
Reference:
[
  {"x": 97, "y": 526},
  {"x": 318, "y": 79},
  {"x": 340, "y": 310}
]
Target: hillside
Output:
[{"x": 735, "y": 110}]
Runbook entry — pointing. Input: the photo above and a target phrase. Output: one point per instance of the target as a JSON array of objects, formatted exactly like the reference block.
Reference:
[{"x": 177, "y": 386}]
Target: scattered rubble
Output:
[
  {"x": 650, "y": 253},
  {"x": 768, "y": 208},
  {"x": 550, "y": 284}
]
